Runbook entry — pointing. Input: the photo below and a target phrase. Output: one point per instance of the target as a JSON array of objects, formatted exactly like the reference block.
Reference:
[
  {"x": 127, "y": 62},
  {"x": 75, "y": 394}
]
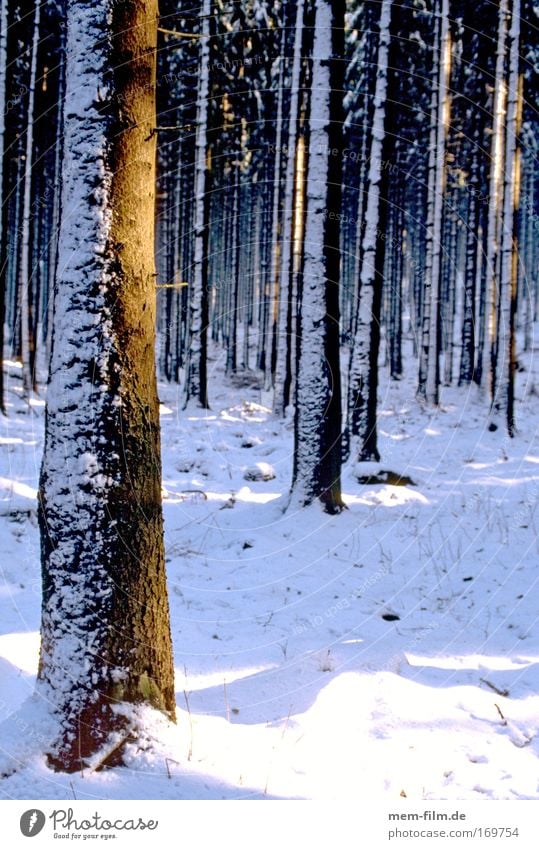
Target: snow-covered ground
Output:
[{"x": 391, "y": 651}]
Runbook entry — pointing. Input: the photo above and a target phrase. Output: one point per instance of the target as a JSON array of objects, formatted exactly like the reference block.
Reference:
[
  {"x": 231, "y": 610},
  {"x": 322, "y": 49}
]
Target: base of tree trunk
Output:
[
  {"x": 332, "y": 502},
  {"x": 368, "y": 455},
  {"x": 96, "y": 739},
  {"x": 386, "y": 477},
  {"x": 99, "y": 728}
]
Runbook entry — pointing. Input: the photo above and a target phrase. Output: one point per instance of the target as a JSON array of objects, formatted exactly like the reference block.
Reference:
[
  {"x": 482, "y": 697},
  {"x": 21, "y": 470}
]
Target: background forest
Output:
[{"x": 346, "y": 280}]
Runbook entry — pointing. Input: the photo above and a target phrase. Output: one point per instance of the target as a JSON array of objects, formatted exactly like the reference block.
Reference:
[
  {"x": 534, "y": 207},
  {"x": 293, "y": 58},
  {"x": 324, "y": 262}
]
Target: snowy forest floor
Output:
[{"x": 389, "y": 651}]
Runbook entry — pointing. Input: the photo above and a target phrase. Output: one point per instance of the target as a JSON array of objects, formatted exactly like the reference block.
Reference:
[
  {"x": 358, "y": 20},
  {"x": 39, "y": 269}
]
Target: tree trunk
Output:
[
  {"x": 317, "y": 450},
  {"x": 472, "y": 258},
  {"x": 363, "y": 380},
  {"x": 105, "y": 623},
  {"x": 25, "y": 269},
  {"x": 3, "y": 204},
  {"x": 504, "y": 371},
  {"x": 487, "y": 374},
  {"x": 196, "y": 371},
  {"x": 429, "y": 368},
  {"x": 283, "y": 367}
]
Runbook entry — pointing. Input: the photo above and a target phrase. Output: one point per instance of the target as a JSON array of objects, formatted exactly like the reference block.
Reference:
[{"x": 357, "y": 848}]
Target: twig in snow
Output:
[
  {"x": 493, "y": 687},
  {"x": 502, "y": 717},
  {"x": 268, "y": 620},
  {"x": 171, "y": 761}
]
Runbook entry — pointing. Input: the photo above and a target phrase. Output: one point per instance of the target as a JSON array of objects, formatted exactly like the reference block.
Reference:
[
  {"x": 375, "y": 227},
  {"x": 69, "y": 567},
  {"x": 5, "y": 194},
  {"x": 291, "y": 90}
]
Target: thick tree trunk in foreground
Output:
[{"x": 105, "y": 624}]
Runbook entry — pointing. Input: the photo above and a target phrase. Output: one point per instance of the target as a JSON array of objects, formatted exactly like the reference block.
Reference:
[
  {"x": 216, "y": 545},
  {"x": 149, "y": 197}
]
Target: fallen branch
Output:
[{"x": 493, "y": 687}]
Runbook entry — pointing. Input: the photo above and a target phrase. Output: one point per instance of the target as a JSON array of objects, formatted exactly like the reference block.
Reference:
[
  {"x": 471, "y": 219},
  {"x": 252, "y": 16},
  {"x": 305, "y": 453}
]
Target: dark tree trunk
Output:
[{"x": 317, "y": 455}]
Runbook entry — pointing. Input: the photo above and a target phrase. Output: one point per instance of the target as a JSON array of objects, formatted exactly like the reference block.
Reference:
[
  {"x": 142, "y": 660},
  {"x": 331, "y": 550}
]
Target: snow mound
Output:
[{"x": 259, "y": 472}]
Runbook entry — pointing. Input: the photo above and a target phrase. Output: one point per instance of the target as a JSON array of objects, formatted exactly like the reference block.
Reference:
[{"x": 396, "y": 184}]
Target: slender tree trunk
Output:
[
  {"x": 504, "y": 386},
  {"x": 363, "y": 377},
  {"x": 105, "y": 623},
  {"x": 3, "y": 204},
  {"x": 527, "y": 268},
  {"x": 472, "y": 257},
  {"x": 396, "y": 300},
  {"x": 55, "y": 216},
  {"x": 277, "y": 218},
  {"x": 493, "y": 234},
  {"x": 283, "y": 375},
  {"x": 429, "y": 367},
  {"x": 233, "y": 276},
  {"x": 196, "y": 370},
  {"x": 25, "y": 270}
]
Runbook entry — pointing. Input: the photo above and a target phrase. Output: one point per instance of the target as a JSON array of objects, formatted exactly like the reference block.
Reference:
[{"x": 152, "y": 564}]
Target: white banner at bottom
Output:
[{"x": 270, "y": 825}]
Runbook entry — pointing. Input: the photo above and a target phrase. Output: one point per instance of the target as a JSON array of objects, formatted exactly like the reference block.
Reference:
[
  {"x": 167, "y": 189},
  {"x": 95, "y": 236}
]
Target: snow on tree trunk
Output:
[
  {"x": 105, "y": 623},
  {"x": 317, "y": 450},
  {"x": 365, "y": 350},
  {"x": 3, "y": 71},
  {"x": 196, "y": 370},
  {"x": 3, "y": 205},
  {"x": 55, "y": 216},
  {"x": 494, "y": 207},
  {"x": 429, "y": 366},
  {"x": 275, "y": 278},
  {"x": 282, "y": 378},
  {"x": 504, "y": 371},
  {"x": 472, "y": 258},
  {"x": 25, "y": 265}
]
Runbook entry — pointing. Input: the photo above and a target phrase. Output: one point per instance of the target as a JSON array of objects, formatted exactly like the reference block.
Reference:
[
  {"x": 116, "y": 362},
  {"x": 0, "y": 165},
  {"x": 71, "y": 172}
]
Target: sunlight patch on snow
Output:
[
  {"x": 472, "y": 661},
  {"x": 21, "y": 650},
  {"x": 218, "y": 496},
  {"x": 248, "y": 411},
  {"x": 164, "y": 410},
  {"x": 531, "y": 459},
  {"x": 203, "y": 681},
  {"x": 352, "y": 499},
  {"x": 396, "y": 437},
  {"x": 331, "y": 749},
  {"x": 18, "y": 488},
  {"x": 245, "y": 494},
  {"x": 395, "y": 496},
  {"x": 37, "y": 402},
  {"x": 492, "y": 480},
  {"x": 227, "y": 417}
]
